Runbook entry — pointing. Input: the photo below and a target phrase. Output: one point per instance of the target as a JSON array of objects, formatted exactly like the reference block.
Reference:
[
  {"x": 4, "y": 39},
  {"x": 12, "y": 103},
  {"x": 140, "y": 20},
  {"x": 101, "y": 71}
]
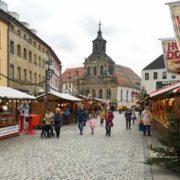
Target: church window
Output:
[
  {"x": 100, "y": 93},
  {"x": 101, "y": 70},
  {"x": 103, "y": 48},
  {"x": 121, "y": 95},
  {"x": 94, "y": 70},
  {"x": 88, "y": 71},
  {"x": 94, "y": 93},
  {"x": 96, "y": 47},
  {"x": 127, "y": 96}
]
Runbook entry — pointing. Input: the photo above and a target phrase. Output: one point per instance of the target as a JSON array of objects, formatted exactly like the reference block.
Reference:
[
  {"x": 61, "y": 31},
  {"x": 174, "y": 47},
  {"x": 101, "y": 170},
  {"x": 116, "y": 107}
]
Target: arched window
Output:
[
  {"x": 121, "y": 95},
  {"x": 100, "y": 93},
  {"x": 101, "y": 70},
  {"x": 94, "y": 93},
  {"x": 96, "y": 47},
  {"x": 88, "y": 71},
  {"x": 103, "y": 48},
  {"x": 94, "y": 70},
  {"x": 127, "y": 96}
]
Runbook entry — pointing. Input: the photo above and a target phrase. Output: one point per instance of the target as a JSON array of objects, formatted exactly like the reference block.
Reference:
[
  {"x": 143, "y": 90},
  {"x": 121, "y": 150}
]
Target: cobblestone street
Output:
[{"x": 76, "y": 157}]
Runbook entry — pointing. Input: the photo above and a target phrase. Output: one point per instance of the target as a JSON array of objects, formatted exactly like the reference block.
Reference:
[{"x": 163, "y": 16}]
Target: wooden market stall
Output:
[
  {"x": 162, "y": 104},
  {"x": 56, "y": 100},
  {"x": 9, "y": 113}
]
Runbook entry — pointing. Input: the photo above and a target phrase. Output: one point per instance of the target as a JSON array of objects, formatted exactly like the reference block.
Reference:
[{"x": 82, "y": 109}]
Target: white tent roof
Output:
[
  {"x": 10, "y": 93},
  {"x": 63, "y": 96}
]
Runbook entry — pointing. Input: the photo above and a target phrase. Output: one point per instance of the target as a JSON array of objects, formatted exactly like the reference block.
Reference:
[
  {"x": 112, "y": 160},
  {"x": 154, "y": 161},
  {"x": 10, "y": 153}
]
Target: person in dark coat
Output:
[
  {"x": 109, "y": 116},
  {"x": 57, "y": 122},
  {"x": 128, "y": 114}
]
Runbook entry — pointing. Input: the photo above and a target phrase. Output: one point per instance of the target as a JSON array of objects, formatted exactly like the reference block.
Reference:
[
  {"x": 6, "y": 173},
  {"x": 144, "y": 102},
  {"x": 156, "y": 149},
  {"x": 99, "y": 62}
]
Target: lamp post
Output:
[{"x": 48, "y": 74}]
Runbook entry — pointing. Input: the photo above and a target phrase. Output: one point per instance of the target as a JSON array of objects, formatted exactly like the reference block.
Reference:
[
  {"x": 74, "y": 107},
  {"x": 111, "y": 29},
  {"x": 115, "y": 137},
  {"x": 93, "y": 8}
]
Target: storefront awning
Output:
[
  {"x": 10, "y": 93},
  {"x": 85, "y": 97},
  {"x": 62, "y": 96},
  {"x": 97, "y": 99},
  {"x": 164, "y": 89}
]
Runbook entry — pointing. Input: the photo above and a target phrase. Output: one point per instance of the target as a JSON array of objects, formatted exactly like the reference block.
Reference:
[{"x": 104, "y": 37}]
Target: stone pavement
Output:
[{"x": 81, "y": 157}]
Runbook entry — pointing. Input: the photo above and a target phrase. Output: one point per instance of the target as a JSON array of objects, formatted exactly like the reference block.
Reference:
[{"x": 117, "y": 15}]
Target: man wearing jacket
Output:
[{"x": 128, "y": 114}]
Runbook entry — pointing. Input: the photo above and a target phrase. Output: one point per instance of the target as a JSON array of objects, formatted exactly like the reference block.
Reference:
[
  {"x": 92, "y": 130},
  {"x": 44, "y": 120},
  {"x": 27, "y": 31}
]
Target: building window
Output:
[
  {"x": 103, "y": 48},
  {"x": 164, "y": 75},
  {"x": 35, "y": 43},
  {"x": 121, "y": 95},
  {"x": 24, "y": 74},
  {"x": 43, "y": 63},
  {"x": 100, "y": 93},
  {"x": 69, "y": 85},
  {"x": 132, "y": 98},
  {"x": 35, "y": 78},
  {"x": 24, "y": 54},
  {"x": 94, "y": 93},
  {"x": 18, "y": 50},
  {"x": 30, "y": 76},
  {"x": 127, "y": 96},
  {"x": 12, "y": 47},
  {"x": 101, "y": 70},
  {"x": 30, "y": 56},
  {"x": 146, "y": 76},
  {"x": 30, "y": 40},
  {"x": 39, "y": 47},
  {"x": 25, "y": 37},
  {"x": 11, "y": 72},
  {"x": 19, "y": 32},
  {"x": 173, "y": 76},
  {"x": 155, "y": 75},
  {"x": 12, "y": 27},
  {"x": 39, "y": 78},
  {"x": 94, "y": 70},
  {"x": 35, "y": 61},
  {"x": 19, "y": 73},
  {"x": 88, "y": 71},
  {"x": 108, "y": 94},
  {"x": 43, "y": 49},
  {"x": 39, "y": 61},
  {"x": 43, "y": 84},
  {"x": 96, "y": 47}
]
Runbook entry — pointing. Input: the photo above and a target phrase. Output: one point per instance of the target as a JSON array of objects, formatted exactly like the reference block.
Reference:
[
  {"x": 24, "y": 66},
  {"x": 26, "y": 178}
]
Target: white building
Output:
[{"x": 155, "y": 75}]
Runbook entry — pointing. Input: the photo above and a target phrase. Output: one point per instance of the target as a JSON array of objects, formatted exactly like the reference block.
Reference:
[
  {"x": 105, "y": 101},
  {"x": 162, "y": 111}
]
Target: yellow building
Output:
[{"x": 3, "y": 51}]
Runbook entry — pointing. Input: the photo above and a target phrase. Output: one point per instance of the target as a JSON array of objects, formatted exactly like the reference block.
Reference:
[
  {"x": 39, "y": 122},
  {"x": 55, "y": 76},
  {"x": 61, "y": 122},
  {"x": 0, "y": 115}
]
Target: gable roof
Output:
[
  {"x": 72, "y": 74},
  {"x": 127, "y": 77},
  {"x": 156, "y": 64}
]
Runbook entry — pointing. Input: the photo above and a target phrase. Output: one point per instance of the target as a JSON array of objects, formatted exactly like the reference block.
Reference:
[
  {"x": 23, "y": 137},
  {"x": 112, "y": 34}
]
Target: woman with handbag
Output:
[{"x": 109, "y": 116}]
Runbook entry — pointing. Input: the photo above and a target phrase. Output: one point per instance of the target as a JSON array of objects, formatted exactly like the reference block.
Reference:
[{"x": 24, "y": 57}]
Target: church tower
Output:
[{"x": 99, "y": 44}]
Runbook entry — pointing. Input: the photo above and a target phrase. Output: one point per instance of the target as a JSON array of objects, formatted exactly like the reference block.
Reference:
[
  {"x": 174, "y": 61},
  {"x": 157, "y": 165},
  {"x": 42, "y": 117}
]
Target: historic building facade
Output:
[{"x": 26, "y": 57}]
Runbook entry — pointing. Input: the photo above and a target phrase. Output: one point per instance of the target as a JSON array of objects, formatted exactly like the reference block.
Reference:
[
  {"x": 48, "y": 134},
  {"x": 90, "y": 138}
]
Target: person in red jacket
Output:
[{"x": 109, "y": 116}]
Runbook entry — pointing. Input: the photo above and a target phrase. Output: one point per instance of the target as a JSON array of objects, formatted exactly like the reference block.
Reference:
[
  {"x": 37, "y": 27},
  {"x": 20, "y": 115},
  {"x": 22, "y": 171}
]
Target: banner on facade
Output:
[
  {"x": 174, "y": 8},
  {"x": 171, "y": 55},
  {"x": 8, "y": 130}
]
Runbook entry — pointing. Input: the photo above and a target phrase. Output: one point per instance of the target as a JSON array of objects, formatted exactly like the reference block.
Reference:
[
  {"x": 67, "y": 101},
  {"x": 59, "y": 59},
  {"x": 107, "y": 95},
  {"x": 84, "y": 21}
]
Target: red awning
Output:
[{"x": 165, "y": 89}]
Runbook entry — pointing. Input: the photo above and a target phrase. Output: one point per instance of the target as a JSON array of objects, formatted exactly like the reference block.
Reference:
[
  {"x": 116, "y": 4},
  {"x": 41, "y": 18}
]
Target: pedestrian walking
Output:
[
  {"x": 102, "y": 113},
  {"x": 57, "y": 121},
  {"x": 147, "y": 119},
  {"x": 67, "y": 115},
  {"x": 128, "y": 114},
  {"x": 48, "y": 120},
  {"x": 81, "y": 116},
  {"x": 109, "y": 116},
  {"x": 92, "y": 123},
  {"x": 133, "y": 115}
]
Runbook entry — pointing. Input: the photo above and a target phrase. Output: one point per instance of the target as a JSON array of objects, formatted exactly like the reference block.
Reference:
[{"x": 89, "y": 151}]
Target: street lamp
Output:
[{"x": 48, "y": 74}]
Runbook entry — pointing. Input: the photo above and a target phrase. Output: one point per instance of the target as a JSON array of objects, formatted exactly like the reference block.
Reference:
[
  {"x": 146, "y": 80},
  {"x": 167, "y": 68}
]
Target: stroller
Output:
[{"x": 44, "y": 130}]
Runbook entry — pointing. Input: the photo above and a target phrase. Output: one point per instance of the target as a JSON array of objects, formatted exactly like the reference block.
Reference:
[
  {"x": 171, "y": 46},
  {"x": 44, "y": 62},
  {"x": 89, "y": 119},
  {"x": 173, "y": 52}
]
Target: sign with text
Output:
[
  {"x": 171, "y": 55},
  {"x": 160, "y": 84},
  {"x": 8, "y": 130},
  {"x": 175, "y": 17},
  {"x": 135, "y": 94}
]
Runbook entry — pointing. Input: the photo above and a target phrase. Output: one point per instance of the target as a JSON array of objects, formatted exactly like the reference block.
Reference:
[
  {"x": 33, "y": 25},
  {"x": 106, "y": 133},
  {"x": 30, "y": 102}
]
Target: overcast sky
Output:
[{"x": 130, "y": 27}]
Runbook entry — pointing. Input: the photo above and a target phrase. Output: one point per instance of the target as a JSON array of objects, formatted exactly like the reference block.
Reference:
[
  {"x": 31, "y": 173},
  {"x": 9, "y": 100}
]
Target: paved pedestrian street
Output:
[{"x": 80, "y": 157}]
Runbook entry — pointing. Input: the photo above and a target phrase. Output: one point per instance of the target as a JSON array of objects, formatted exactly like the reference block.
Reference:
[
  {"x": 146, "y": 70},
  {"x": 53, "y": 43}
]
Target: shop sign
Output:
[
  {"x": 171, "y": 55},
  {"x": 135, "y": 94},
  {"x": 160, "y": 84},
  {"x": 175, "y": 17},
  {"x": 8, "y": 130}
]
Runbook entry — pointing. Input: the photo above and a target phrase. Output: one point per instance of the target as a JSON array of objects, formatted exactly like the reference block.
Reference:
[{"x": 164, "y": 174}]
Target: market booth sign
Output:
[
  {"x": 171, "y": 55},
  {"x": 160, "y": 84},
  {"x": 8, "y": 130}
]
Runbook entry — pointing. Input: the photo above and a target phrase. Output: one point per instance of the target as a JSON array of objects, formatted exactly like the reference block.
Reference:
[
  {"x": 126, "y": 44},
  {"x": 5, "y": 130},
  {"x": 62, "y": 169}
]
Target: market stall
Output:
[
  {"x": 56, "y": 100},
  {"x": 163, "y": 101},
  {"x": 9, "y": 113}
]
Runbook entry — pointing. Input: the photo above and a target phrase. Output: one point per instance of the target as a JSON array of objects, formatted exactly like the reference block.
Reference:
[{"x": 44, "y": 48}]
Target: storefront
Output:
[
  {"x": 56, "y": 100},
  {"x": 9, "y": 113}
]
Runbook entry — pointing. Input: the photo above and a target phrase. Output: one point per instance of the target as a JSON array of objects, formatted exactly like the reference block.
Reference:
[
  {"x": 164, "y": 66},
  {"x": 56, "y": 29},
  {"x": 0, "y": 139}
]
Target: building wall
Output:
[
  {"x": 32, "y": 64},
  {"x": 3, "y": 52},
  {"x": 152, "y": 83},
  {"x": 124, "y": 95}
]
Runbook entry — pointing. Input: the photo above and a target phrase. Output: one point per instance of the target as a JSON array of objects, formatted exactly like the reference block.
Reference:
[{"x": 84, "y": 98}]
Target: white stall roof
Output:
[
  {"x": 63, "y": 96},
  {"x": 10, "y": 93}
]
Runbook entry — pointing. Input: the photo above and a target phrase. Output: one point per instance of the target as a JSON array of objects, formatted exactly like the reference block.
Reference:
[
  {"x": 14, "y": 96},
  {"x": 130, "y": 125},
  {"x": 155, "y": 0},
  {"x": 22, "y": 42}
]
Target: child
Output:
[{"x": 92, "y": 123}]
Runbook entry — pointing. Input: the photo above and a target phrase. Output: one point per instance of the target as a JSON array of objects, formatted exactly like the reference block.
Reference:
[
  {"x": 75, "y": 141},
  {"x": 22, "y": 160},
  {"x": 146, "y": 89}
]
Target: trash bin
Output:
[{"x": 36, "y": 119}]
